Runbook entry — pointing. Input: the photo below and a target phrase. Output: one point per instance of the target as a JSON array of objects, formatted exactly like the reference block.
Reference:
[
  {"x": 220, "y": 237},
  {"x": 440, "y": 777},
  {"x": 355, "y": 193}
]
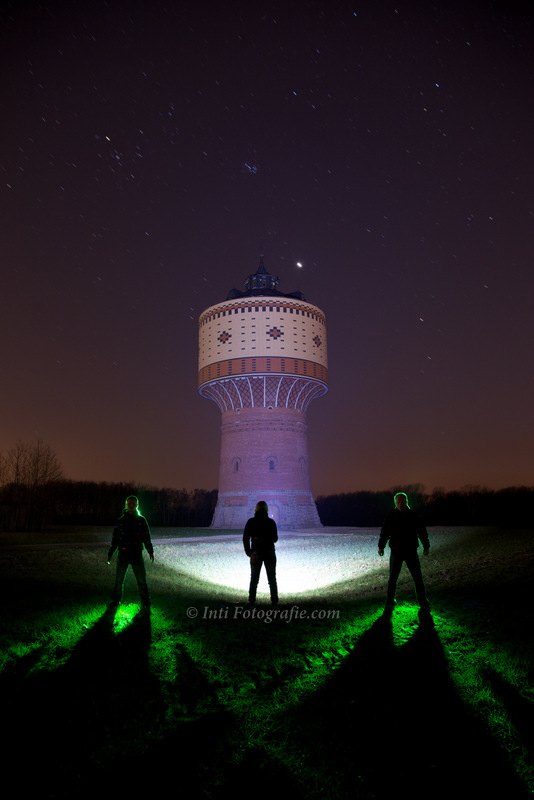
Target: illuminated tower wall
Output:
[{"x": 262, "y": 360}]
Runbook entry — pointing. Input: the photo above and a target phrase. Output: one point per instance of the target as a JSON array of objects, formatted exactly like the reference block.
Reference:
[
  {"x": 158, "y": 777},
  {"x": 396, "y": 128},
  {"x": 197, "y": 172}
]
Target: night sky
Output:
[{"x": 150, "y": 152}]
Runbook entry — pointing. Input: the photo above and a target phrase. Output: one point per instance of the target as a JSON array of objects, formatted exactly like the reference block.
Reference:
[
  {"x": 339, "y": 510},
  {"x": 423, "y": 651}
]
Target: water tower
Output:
[{"x": 262, "y": 360}]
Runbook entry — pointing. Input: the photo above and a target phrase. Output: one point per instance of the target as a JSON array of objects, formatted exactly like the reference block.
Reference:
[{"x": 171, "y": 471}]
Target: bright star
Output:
[{"x": 300, "y": 264}]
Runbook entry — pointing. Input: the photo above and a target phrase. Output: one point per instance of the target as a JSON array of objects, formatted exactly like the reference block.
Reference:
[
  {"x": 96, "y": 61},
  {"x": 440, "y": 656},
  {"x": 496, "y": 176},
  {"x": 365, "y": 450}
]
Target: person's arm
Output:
[
  {"x": 147, "y": 541},
  {"x": 114, "y": 542},
  {"x": 383, "y": 539},
  {"x": 246, "y": 539},
  {"x": 423, "y": 538},
  {"x": 275, "y": 531}
]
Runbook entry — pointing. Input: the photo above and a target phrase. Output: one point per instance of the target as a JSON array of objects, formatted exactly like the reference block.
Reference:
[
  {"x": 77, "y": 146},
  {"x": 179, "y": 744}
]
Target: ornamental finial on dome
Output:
[{"x": 262, "y": 282}]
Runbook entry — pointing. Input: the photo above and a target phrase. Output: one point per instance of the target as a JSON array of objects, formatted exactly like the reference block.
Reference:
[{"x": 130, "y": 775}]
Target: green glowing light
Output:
[
  {"x": 124, "y": 616},
  {"x": 404, "y": 623},
  {"x": 131, "y": 504}
]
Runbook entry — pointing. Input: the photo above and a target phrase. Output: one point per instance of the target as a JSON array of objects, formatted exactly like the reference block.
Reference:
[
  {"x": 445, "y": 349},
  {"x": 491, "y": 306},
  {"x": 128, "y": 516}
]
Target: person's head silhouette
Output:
[
  {"x": 401, "y": 501},
  {"x": 262, "y": 507},
  {"x": 131, "y": 506}
]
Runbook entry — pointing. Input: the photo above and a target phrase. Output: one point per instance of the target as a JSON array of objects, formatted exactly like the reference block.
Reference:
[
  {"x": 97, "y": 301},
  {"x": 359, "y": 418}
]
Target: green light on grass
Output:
[
  {"x": 124, "y": 616},
  {"x": 404, "y": 623}
]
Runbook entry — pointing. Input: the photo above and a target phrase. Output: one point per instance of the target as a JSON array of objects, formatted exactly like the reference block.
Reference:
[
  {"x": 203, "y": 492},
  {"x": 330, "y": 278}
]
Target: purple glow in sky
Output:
[{"x": 379, "y": 155}]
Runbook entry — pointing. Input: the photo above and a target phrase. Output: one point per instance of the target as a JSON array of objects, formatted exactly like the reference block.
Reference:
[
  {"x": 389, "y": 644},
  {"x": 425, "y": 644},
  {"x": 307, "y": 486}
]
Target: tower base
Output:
[{"x": 291, "y": 510}]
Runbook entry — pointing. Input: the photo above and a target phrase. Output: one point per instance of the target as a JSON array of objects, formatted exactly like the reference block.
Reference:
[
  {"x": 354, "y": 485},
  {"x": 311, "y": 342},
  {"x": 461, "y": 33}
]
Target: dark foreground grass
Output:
[{"x": 344, "y": 705}]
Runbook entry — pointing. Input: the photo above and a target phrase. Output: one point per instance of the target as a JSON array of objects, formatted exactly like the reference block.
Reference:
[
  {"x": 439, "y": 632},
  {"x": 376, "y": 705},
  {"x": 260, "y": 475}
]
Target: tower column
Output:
[
  {"x": 264, "y": 456},
  {"x": 262, "y": 360}
]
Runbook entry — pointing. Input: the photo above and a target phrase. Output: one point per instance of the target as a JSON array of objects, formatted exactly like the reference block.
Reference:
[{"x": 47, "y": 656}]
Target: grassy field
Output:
[{"x": 326, "y": 700}]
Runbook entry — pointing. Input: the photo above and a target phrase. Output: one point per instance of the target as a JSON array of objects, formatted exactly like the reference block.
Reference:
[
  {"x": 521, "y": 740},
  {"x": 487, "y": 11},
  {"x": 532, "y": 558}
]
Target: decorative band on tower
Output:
[{"x": 262, "y": 360}]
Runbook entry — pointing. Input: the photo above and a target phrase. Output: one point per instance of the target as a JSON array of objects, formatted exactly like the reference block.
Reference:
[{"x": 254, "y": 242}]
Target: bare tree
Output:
[
  {"x": 43, "y": 465},
  {"x": 31, "y": 465},
  {"x": 30, "y": 470},
  {"x": 14, "y": 461}
]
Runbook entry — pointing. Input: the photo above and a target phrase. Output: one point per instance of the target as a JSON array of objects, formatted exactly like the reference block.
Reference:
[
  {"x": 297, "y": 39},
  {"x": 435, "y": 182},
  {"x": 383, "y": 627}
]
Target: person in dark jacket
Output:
[
  {"x": 130, "y": 535},
  {"x": 259, "y": 537},
  {"x": 404, "y": 530}
]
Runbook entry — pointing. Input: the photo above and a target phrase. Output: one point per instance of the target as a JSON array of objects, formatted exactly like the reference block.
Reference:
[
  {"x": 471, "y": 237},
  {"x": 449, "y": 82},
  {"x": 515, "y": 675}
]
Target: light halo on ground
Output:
[{"x": 308, "y": 563}]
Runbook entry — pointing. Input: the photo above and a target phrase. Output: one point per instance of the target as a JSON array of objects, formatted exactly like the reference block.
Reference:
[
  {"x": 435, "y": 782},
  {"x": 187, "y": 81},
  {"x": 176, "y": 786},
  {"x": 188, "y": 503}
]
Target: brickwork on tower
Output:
[{"x": 262, "y": 360}]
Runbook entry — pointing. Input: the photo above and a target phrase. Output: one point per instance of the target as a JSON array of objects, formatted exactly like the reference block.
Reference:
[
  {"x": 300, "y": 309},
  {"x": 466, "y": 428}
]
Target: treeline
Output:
[
  {"x": 34, "y": 494},
  {"x": 472, "y": 505},
  {"x": 67, "y": 502}
]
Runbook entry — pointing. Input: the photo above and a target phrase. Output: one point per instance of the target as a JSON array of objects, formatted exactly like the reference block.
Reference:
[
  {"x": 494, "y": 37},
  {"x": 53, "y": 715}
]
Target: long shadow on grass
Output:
[
  {"x": 390, "y": 721},
  {"x": 99, "y": 723},
  {"x": 519, "y": 708}
]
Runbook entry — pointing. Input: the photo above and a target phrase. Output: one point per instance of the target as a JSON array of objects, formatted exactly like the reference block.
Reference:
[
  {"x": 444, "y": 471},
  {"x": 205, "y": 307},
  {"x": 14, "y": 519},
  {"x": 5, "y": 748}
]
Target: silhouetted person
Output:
[
  {"x": 259, "y": 537},
  {"x": 130, "y": 535},
  {"x": 404, "y": 530}
]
